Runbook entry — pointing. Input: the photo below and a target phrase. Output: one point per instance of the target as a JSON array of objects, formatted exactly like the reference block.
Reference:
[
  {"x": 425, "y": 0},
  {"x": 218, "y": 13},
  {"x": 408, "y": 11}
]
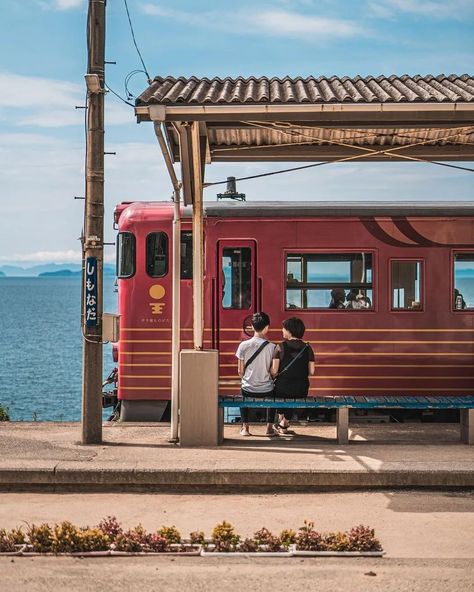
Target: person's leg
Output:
[
  {"x": 269, "y": 414},
  {"x": 244, "y": 415}
]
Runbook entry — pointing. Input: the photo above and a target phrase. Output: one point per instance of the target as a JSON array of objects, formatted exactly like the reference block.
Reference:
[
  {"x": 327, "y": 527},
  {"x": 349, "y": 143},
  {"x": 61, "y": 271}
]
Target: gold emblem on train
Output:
[{"x": 157, "y": 292}]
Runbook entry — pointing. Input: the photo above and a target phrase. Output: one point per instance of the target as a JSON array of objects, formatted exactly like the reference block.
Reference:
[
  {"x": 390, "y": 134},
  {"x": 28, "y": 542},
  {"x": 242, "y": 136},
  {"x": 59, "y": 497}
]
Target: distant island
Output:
[
  {"x": 60, "y": 273},
  {"x": 50, "y": 270},
  {"x": 68, "y": 273}
]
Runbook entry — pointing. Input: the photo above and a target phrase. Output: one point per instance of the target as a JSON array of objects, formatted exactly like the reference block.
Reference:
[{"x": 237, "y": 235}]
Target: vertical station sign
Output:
[{"x": 90, "y": 292}]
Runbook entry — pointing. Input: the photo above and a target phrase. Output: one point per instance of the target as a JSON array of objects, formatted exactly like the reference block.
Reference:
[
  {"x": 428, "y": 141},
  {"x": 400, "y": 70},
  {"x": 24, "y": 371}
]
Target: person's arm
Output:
[
  {"x": 240, "y": 367},
  {"x": 311, "y": 364},
  {"x": 275, "y": 361},
  {"x": 275, "y": 366}
]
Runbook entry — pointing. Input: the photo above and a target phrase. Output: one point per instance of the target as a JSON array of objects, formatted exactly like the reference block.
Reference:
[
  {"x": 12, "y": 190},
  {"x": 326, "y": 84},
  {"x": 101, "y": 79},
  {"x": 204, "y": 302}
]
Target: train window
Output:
[
  {"x": 463, "y": 296},
  {"x": 157, "y": 254},
  {"x": 329, "y": 280},
  {"x": 125, "y": 255},
  {"x": 186, "y": 255},
  {"x": 236, "y": 278},
  {"x": 406, "y": 285}
]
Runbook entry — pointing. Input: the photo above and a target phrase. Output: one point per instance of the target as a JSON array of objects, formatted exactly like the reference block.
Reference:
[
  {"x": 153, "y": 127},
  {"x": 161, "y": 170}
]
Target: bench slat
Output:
[{"x": 368, "y": 402}]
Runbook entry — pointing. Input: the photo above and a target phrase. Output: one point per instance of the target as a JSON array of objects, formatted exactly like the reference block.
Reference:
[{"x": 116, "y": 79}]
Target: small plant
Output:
[
  {"x": 66, "y": 538},
  {"x": 93, "y": 539},
  {"x": 40, "y": 538},
  {"x": 4, "y": 413},
  {"x": 17, "y": 536},
  {"x": 308, "y": 539},
  {"x": 197, "y": 537},
  {"x": 264, "y": 537},
  {"x": 170, "y": 533},
  {"x": 131, "y": 541},
  {"x": 335, "y": 541},
  {"x": 362, "y": 538},
  {"x": 248, "y": 546},
  {"x": 111, "y": 527},
  {"x": 156, "y": 543},
  {"x": 224, "y": 537},
  {"x": 7, "y": 543},
  {"x": 287, "y": 538}
]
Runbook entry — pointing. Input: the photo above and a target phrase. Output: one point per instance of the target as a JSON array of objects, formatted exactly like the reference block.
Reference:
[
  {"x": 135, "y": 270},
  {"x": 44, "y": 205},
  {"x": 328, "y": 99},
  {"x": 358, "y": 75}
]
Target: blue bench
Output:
[{"x": 342, "y": 404}]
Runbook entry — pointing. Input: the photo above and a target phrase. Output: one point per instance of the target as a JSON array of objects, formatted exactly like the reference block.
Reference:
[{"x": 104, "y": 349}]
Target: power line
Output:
[
  {"x": 118, "y": 96},
  {"x": 309, "y": 166},
  {"x": 128, "y": 77},
  {"x": 135, "y": 41}
]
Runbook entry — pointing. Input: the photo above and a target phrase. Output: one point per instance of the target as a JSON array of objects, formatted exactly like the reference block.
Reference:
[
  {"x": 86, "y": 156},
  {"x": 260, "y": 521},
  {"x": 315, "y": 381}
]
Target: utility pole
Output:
[{"x": 93, "y": 242}]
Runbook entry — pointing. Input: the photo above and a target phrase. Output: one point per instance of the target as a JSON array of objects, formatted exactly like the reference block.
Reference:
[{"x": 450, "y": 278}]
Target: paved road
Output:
[{"x": 253, "y": 575}]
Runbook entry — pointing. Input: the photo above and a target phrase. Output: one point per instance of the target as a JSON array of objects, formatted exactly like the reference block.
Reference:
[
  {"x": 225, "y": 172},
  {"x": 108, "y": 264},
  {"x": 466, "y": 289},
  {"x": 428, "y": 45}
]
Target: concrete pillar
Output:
[
  {"x": 467, "y": 426},
  {"x": 342, "y": 425},
  {"x": 198, "y": 387}
]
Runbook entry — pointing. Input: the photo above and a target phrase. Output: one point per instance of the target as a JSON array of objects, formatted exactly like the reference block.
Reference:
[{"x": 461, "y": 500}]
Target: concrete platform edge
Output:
[{"x": 219, "y": 479}]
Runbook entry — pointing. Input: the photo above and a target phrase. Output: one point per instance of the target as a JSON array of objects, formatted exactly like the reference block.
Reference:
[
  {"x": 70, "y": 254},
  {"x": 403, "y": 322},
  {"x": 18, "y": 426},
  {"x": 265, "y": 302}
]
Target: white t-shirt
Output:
[{"x": 257, "y": 377}]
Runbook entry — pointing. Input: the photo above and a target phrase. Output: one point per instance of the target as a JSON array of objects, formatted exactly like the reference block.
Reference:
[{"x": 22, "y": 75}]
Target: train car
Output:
[{"x": 386, "y": 291}]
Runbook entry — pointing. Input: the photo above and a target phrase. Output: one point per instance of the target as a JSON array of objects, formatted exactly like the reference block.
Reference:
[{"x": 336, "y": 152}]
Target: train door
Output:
[{"x": 236, "y": 291}]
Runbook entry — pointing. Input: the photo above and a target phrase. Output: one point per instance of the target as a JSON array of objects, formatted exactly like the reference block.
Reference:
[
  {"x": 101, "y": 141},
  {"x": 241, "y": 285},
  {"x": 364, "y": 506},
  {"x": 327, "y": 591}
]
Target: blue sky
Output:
[{"x": 42, "y": 62}]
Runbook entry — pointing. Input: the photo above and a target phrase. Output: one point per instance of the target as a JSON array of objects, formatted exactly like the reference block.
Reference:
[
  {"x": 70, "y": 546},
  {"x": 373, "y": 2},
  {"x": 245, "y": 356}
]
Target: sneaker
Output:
[
  {"x": 280, "y": 429},
  {"x": 244, "y": 432}
]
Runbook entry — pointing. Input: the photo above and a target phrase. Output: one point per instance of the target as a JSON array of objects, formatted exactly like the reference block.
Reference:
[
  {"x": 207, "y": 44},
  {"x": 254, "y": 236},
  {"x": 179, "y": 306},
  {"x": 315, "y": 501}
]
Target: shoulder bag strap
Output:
[
  {"x": 298, "y": 355},
  {"x": 254, "y": 355}
]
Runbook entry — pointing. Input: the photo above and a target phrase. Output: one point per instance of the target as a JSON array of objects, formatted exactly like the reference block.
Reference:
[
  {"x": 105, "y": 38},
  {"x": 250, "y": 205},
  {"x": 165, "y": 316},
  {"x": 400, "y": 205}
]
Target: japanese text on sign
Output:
[{"x": 90, "y": 292}]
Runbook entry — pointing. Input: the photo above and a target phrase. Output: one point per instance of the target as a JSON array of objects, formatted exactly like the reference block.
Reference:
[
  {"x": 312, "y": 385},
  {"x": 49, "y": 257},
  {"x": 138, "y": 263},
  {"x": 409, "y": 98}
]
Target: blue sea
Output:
[{"x": 41, "y": 346}]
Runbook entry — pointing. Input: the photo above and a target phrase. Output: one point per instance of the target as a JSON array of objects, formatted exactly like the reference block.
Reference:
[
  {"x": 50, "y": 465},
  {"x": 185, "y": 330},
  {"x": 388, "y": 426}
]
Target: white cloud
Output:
[
  {"x": 289, "y": 24},
  {"x": 62, "y": 5},
  {"x": 67, "y": 4},
  {"x": 41, "y": 175},
  {"x": 46, "y": 102},
  {"x": 276, "y": 23},
  {"x": 438, "y": 9},
  {"x": 32, "y": 91}
]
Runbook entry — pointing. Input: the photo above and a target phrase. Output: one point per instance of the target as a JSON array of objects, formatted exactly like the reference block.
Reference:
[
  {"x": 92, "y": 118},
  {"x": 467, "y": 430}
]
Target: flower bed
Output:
[{"x": 110, "y": 538}]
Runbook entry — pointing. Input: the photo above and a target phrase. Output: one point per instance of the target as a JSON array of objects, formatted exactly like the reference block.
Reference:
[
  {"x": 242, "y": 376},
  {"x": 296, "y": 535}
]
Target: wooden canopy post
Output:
[
  {"x": 199, "y": 373},
  {"x": 198, "y": 240}
]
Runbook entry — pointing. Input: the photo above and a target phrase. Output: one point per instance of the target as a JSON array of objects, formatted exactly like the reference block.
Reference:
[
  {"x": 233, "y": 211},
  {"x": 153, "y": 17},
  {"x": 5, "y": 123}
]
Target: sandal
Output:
[
  {"x": 281, "y": 429},
  {"x": 245, "y": 432}
]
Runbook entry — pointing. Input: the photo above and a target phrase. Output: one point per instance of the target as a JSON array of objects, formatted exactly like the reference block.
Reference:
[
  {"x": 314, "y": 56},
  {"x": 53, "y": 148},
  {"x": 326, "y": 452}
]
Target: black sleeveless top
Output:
[{"x": 294, "y": 382}]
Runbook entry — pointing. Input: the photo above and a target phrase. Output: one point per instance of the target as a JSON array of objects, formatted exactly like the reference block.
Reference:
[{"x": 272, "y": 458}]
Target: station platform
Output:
[{"x": 138, "y": 457}]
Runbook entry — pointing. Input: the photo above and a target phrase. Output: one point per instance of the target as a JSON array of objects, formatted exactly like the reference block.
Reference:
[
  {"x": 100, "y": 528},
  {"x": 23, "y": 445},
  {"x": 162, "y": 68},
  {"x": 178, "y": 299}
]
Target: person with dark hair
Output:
[
  {"x": 459, "y": 302},
  {"x": 357, "y": 299},
  {"x": 254, "y": 364},
  {"x": 293, "y": 363},
  {"x": 337, "y": 298}
]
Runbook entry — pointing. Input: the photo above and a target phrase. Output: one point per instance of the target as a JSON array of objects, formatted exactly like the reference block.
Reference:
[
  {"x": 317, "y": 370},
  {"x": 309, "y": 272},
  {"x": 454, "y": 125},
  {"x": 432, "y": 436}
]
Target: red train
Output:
[{"x": 385, "y": 290}]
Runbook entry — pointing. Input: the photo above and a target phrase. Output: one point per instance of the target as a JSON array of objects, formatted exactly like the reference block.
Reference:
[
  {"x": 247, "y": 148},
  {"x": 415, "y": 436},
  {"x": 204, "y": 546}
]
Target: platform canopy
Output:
[{"x": 318, "y": 119}]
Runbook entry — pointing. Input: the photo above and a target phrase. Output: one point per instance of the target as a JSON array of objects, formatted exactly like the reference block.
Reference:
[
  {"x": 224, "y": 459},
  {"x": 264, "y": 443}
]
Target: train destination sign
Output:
[{"x": 90, "y": 292}]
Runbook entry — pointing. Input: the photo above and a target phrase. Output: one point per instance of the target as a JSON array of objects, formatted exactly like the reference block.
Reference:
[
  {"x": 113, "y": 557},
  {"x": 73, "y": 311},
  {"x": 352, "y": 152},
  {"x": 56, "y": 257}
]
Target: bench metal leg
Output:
[
  {"x": 220, "y": 426},
  {"x": 467, "y": 426},
  {"x": 342, "y": 425}
]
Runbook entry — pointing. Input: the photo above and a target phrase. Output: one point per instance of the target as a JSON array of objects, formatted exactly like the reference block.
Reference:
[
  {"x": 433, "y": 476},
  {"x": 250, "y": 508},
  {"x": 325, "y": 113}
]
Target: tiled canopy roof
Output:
[{"x": 382, "y": 89}]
